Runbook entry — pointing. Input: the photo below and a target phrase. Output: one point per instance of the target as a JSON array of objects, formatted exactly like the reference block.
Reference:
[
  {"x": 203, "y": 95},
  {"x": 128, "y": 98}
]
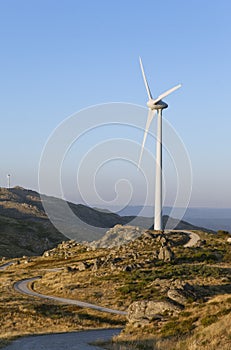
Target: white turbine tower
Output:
[{"x": 156, "y": 106}]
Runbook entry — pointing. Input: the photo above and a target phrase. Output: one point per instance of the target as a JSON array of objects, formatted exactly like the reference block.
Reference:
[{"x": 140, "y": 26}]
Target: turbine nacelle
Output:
[{"x": 156, "y": 105}]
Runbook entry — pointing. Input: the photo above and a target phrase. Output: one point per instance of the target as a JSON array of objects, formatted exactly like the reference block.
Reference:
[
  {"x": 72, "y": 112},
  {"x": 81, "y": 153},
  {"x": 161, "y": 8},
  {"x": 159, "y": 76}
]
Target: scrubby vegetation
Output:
[{"x": 117, "y": 277}]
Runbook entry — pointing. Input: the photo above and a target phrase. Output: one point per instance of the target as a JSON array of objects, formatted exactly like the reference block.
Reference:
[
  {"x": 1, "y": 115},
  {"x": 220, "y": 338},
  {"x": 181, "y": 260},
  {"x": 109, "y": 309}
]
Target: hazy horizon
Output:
[{"x": 60, "y": 58}]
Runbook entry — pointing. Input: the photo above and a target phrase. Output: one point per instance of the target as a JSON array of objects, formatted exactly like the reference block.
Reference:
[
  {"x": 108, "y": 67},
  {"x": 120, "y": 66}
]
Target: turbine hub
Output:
[{"x": 158, "y": 105}]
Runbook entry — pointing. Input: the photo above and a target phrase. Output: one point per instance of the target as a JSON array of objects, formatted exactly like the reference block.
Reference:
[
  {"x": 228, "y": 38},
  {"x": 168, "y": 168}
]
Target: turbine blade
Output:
[
  {"x": 151, "y": 114},
  {"x": 166, "y": 93},
  {"x": 145, "y": 80}
]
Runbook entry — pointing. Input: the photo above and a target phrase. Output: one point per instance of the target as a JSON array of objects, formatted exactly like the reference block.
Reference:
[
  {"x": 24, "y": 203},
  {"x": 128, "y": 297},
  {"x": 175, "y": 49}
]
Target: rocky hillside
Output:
[
  {"x": 120, "y": 234},
  {"x": 174, "y": 295},
  {"x": 19, "y": 237},
  {"x": 20, "y": 203},
  {"x": 171, "y": 293},
  {"x": 25, "y": 228},
  {"x": 117, "y": 236}
]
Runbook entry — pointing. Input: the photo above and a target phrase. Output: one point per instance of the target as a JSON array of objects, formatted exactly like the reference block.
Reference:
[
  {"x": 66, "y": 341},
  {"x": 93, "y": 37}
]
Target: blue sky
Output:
[{"x": 58, "y": 57}]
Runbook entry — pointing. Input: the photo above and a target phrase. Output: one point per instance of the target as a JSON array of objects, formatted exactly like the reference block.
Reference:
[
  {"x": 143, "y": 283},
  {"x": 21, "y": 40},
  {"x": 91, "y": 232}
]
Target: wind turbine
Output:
[
  {"x": 156, "y": 106},
  {"x": 8, "y": 181}
]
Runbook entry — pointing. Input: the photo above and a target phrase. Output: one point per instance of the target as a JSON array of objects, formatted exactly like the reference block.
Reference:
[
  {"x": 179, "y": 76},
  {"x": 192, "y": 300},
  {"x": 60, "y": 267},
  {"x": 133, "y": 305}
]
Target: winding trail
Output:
[
  {"x": 23, "y": 286},
  {"x": 73, "y": 340},
  {"x": 61, "y": 341},
  {"x": 2, "y": 267},
  {"x": 194, "y": 239}
]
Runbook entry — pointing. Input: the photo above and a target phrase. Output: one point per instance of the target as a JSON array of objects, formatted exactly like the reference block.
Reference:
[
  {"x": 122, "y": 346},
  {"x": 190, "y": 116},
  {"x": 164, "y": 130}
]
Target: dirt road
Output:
[
  {"x": 22, "y": 287},
  {"x": 63, "y": 341}
]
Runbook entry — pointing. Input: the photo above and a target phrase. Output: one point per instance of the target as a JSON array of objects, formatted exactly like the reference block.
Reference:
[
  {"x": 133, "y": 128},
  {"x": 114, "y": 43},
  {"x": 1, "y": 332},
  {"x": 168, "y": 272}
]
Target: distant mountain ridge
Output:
[
  {"x": 213, "y": 218},
  {"x": 25, "y": 228}
]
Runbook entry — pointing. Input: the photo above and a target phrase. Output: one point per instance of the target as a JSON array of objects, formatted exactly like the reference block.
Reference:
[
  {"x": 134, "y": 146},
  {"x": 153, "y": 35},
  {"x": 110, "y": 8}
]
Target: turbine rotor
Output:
[{"x": 153, "y": 105}]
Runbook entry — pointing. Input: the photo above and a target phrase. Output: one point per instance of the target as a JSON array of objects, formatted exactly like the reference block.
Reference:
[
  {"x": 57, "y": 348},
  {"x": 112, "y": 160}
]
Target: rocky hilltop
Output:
[
  {"x": 19, "y": 203},
  {"x": 25, "y": 228},
  {"x": 168, "y": 293}
]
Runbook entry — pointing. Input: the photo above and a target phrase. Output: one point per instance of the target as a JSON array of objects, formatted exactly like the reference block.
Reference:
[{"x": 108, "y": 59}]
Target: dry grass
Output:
[
  {"x": 24, "y": 315},
  {"x": 203, "y": 325},
  {"x": 216, "y": 336}
]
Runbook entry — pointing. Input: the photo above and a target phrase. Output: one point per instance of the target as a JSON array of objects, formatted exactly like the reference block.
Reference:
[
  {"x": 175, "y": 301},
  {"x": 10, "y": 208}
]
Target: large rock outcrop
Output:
[
  {"x": 145, "y": 311},
  {"x": 117, "y": 236},
  {"x": 177, "y": 294},
  {"x": 166, "y": 254},
  {"x": 181, "y": 292}
]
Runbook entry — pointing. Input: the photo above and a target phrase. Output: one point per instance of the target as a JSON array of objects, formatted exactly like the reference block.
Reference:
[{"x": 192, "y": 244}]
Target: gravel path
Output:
[
  {"x": 2, "y": 267},
  {"x": 63, "y": 341},
  {"x": 194, "y": 238},
  {"x": 22, "y": 287},
  {"x": 74, "y": 340}
]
